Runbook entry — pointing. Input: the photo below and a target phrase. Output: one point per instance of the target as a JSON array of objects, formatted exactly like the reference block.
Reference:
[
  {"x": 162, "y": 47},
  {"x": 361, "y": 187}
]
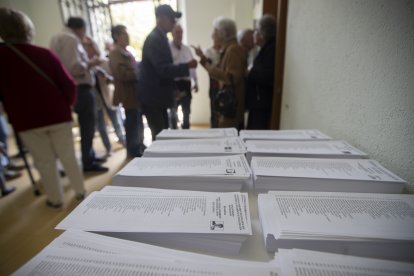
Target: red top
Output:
[{"x": 29, "y": 99}]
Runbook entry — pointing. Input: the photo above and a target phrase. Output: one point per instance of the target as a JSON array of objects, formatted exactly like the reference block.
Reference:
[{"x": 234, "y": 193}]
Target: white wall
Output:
[
  {"x": 45, "y": 15},
  {"x": 198, "y": 16},
  {"x": 349, "y": 71}
]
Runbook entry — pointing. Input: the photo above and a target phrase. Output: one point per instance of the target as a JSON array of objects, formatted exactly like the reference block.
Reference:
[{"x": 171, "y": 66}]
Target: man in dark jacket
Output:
[{"x": 156, "y": 86}]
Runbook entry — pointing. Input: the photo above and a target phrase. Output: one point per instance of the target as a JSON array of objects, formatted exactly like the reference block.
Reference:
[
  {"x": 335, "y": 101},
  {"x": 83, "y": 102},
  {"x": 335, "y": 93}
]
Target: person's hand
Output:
[
  {"x": 94, "y": 61},
  {"x": 192, "y": 64},
  {"x": 198, "y": 51},
  {"x": 195, "y": 88}
]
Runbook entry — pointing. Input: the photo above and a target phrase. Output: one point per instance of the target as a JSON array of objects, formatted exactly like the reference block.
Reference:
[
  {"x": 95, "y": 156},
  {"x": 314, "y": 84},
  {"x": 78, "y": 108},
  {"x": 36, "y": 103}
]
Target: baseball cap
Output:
[{"x": 166, "y": 10}]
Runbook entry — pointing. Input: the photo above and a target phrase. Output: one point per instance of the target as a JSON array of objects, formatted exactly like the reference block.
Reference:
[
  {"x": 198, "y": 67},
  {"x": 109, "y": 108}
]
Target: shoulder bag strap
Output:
[{"x": 34, "y": 66}]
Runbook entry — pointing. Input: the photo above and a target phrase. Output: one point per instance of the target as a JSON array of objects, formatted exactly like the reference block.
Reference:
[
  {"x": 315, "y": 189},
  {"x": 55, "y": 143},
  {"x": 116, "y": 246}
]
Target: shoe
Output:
[
  {"x": 15, "y": 167},
  {"x": 100, "y": 159},
  {"x": 80, "y": 196},
  {"x": 95, "y": 167},
  {"x": 62, "y": 173},
  {"x": 7, "y": 191},
  {"x": 10, "y": 175},
  {"x": 54, "y": 205}
]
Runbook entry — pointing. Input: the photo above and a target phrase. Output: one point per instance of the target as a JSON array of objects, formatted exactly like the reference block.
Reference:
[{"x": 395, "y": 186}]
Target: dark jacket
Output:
[
  {"x": 261, "y": 78},
  {"x": 156, "y": 84}
]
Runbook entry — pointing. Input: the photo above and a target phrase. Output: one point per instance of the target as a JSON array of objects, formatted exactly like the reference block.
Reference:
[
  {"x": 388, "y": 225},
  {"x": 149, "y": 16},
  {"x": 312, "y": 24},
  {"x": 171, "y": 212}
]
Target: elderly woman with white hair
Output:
[
  {"x": 230, "y": 71},
  {"x": 37, "y": 93}
]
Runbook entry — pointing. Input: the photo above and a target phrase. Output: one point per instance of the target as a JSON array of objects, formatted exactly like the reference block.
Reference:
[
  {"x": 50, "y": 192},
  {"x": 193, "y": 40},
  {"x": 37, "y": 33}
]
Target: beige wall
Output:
[{"x": 349, "y": 72}]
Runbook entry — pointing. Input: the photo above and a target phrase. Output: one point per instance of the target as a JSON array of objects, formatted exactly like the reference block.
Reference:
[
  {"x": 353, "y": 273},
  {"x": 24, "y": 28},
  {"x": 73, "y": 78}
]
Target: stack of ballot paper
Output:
[
  {"x": 213, "y": 173},
  {"x": 309, "y": 149},
  {"x": 360, "y": 224},
  {"x": 306, "y": 262},
  {"x": 82, "y": 253},
  {"x": 196, "y": 133},
  {"x": 284, "y": 135},
  {"x": 196, "y": 147},
  {"x": 325, "y": 175},
  {"x": 210, "y": 222}
]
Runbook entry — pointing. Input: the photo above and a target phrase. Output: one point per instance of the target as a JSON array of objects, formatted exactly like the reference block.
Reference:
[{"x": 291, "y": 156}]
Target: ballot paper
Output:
[
  {"x": 325, "y": 175},
  {"x": 214, "y": 173},
  {"x": 196, "y": 133},
  {"x": 284, "y": 135},
  {"x": 63, "y": 261},
  {"x": 95, "y": 243},
  {"x": 361, "y": 224},
  {"x": 215, "y": 222},
  {"x": 306, "y": 262},
  {"x": 319, "y": 149},
  {"x": 196, "y": 147}
]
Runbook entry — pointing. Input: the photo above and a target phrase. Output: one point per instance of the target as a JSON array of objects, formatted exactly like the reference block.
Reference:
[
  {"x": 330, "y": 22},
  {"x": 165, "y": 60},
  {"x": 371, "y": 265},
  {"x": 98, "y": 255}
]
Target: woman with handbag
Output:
[
  {"x": 230, "y": 72},
  {"x": 37, "y": 93}
]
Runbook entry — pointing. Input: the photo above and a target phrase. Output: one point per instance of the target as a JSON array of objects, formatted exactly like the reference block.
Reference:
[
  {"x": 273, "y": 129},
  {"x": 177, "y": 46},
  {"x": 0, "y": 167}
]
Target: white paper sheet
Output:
[
  {"x": 232, "y": 145},
  {"x": 212, "y": 213},
  {"x": 356, "y": 169},
  {"x": 197, "y": 133},
  {"x": 284, "y": 135},
  {"x": 381, "y": 216},
  {"x": 235, "y": 165},
  {"x": 63, "y": 261},
  {"x": 312, "y": 263},
  {"x": 300, "y": 147}
]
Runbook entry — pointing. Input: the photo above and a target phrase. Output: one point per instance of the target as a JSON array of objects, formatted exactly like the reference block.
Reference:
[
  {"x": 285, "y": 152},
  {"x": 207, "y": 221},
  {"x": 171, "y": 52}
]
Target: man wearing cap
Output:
[{"x": 158, "y": 71}]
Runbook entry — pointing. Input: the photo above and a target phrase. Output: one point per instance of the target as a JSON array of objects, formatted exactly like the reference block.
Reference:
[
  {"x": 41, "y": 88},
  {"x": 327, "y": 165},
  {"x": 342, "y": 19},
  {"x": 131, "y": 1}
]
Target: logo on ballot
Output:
[
  {"x": 230, "y": 171},
  {"x": 216, "y": 225},
  {"x": 227, "y": 149}
]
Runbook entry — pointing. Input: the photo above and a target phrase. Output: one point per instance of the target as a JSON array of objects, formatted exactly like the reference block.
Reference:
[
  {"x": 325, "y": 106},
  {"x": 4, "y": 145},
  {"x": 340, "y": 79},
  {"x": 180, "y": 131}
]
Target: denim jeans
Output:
[
  {"x": 134, "y": 132},
  {"x": 115, "y": 119}
]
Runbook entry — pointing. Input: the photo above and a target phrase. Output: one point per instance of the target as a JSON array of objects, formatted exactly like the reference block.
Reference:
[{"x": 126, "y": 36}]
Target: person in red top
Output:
[{"x": 37, "y": 93}]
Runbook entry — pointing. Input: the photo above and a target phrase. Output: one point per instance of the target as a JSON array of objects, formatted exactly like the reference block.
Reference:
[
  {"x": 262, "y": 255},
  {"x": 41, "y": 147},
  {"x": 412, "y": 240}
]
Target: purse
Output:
[{"x": 225, "y": 101}]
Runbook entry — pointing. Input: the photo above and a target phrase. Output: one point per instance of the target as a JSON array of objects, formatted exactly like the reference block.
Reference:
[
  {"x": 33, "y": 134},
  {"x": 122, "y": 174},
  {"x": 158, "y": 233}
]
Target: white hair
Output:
[{"x": 226, "y": 28}]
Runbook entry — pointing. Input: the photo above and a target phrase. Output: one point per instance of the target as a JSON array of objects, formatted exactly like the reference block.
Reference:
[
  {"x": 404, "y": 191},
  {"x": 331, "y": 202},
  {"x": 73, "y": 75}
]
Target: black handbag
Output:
[{"x": 225, "y": 101}]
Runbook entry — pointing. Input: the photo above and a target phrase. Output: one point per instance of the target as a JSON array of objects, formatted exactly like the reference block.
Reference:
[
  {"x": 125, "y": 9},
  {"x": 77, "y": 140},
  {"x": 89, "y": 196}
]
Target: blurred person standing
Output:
[
  {"x": 212, "y": 55},
  {"x": 181, "y": 53},
  {"x": 104, "y": 96},
  {"x": 230, "y": 71},
  {"x": 125, "y": 71},
  {"x": 158, "y": 71},
  {"x": 260, "y": 80},
  {"x": 39, "y": 106},
  {"x": 68, "y": 47},
  {"x": 246, "y": 41}
]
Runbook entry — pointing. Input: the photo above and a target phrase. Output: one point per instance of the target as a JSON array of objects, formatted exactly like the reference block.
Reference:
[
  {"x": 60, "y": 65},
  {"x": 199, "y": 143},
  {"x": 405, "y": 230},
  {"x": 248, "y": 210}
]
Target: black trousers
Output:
[
  {"x": 157, "y": 119},
  {"x": 85, "y": 108}
]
